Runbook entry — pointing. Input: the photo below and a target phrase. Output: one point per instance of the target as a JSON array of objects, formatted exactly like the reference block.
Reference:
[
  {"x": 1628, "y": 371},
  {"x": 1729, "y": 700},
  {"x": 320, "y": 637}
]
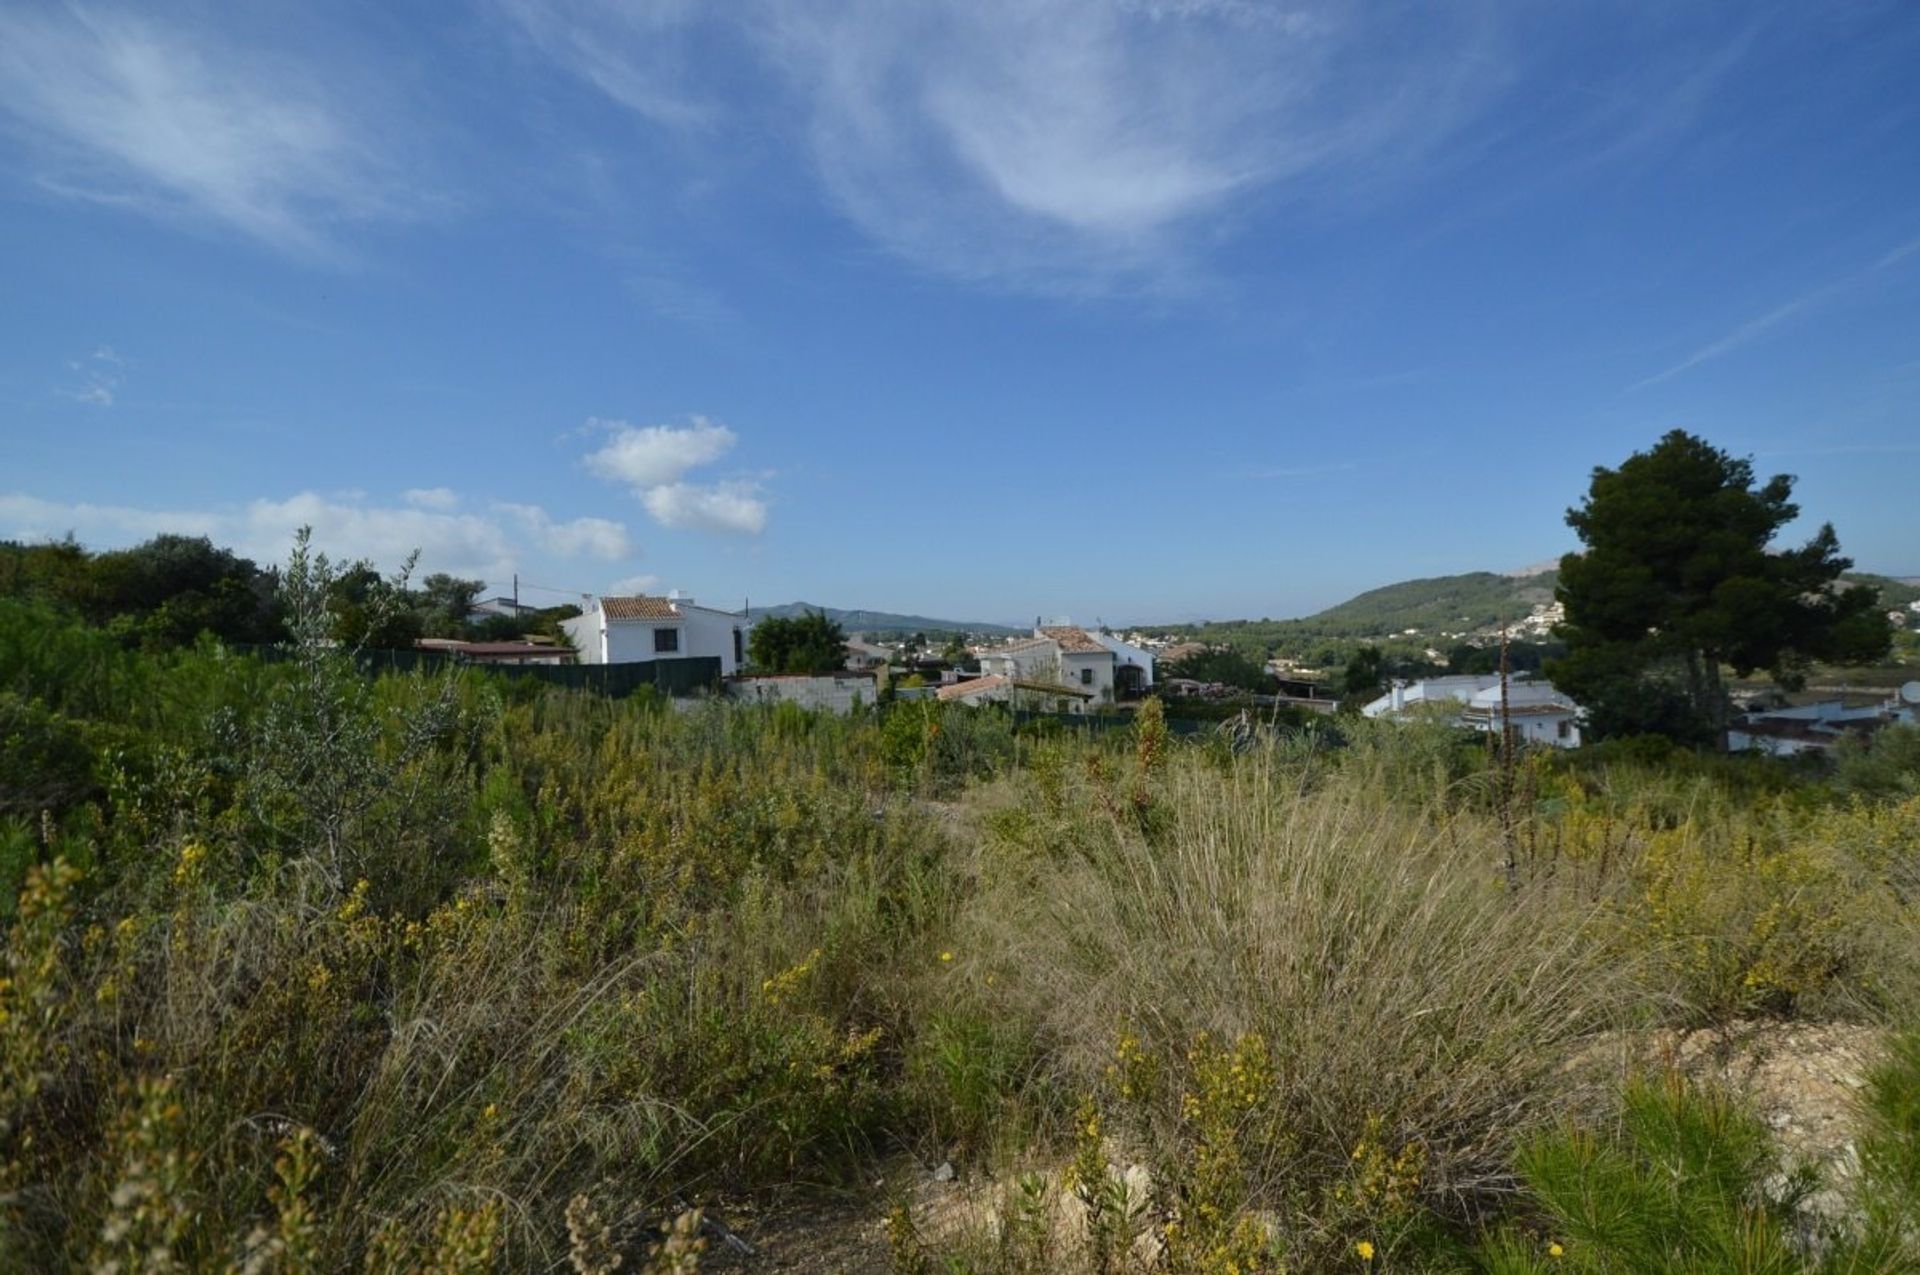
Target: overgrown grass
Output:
[{"x": 408, "y": 973}]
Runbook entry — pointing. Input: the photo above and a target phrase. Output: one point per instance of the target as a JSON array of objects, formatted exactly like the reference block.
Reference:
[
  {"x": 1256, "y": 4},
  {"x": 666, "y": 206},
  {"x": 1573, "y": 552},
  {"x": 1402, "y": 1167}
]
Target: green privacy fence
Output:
[{"x": 688, "y": 675}]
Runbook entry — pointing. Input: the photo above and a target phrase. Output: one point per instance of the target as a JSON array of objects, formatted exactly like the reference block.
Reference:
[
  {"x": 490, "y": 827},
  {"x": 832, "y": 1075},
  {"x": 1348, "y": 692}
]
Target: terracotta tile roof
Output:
[
  {"x": 1054, "y": 688},
  {"x": 960, "y": 690},
  {"x": 640, "y": 607},
  {"x": 513, "y": 650},
  {"x": 1019, "y": 646},
  {"x": 1072, "y": 639}
]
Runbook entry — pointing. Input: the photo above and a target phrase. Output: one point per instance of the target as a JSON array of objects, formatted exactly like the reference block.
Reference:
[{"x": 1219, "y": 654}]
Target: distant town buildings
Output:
[
  {"x": 1076, "y": 668},
  {"x": 1820, "y": 727},
  {"x": 489, "y": 608}
]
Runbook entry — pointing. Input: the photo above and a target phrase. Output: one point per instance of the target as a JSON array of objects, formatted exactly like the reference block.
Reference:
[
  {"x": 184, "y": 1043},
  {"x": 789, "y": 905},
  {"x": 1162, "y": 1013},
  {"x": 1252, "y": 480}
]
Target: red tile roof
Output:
[
  {"x": 1072, "y": 639},
  {"x": 639, "y": 607},
  {"x": 1054, "y": 688},
  {"x": 960, "y": 690}
]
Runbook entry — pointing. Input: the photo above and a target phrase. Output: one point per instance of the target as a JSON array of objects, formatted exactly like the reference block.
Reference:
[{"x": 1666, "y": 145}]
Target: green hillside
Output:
[
  {"x": 1894, "y": 592},
  {"x": 1452, "y": 604}
]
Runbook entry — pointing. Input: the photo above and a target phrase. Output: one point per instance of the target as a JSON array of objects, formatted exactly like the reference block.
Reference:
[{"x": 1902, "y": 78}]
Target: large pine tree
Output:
[{"x": 1679, "y": 580}]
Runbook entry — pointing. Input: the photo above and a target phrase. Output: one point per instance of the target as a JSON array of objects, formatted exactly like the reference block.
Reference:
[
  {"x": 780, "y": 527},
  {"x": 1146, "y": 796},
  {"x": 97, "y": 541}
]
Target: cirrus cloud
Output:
[
  {"x": 1050, "y": 144},
  {"x": 157, "y": 113}
]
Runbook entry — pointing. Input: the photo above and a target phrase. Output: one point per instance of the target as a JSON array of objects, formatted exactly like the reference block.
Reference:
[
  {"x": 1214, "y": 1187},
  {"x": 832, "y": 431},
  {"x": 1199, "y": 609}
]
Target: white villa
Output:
[
  {"x": 1077, "y": 668},
  {"x": 628, "y": 630},
  {"x": 1534, "y": 711}
]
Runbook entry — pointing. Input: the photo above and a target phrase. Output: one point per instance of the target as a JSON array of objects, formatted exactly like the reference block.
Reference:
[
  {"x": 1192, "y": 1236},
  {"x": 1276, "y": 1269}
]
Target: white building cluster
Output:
[{"x": 1535, "y": 712}]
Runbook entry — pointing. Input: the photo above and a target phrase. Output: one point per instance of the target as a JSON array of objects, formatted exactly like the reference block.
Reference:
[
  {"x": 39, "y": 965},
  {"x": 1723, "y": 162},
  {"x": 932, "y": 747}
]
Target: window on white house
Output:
[
  {"x": 1086, "y": 677},
  {"x": 666, "y": 641}
]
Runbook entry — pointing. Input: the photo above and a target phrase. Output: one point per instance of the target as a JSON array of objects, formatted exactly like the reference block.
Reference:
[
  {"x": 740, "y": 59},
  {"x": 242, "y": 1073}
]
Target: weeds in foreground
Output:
[{"x": 1277, "y": 994}]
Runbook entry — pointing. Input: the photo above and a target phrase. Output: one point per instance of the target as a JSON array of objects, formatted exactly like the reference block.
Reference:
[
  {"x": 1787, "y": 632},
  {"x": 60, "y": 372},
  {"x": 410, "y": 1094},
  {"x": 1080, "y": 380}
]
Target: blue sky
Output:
[{"x": 983, "y": 310}]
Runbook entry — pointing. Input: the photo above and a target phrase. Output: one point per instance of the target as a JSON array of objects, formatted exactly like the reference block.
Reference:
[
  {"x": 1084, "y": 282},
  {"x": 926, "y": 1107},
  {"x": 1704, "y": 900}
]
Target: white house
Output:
[
  {"x": 1535, "y": 711},
  {"x": 1403, "y": 695},
  {"x": 1057, "y": 656},
  {"x": 1132, "y": 663},
  {"x": 638, "y": 629},
  {"x": 863, "y": 655}
]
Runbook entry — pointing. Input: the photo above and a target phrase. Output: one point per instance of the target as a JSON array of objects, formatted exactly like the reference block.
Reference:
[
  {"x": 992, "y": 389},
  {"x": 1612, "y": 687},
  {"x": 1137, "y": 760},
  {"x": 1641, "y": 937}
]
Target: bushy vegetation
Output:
[
  {"x": 308, "y": 969},
  {"x": 168, "y": 591},
  {"x": 809, "y": 643}
]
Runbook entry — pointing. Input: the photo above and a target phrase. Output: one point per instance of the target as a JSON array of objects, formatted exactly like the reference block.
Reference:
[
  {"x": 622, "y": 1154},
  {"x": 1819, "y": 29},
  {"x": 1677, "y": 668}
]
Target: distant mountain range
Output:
[
  {"x": 1475, "y": 600},
  {"x": 884, "y": 621},
  {"x": 1454, "y": 604}
]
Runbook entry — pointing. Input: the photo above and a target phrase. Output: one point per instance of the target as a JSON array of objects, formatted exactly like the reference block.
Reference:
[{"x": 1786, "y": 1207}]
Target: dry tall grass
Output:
[{"x": 1398, "y": 985}]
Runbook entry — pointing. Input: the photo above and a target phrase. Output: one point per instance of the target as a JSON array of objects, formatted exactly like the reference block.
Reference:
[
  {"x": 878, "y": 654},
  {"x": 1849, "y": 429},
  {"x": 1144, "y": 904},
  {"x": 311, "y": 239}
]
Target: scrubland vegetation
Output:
[{"x": 307, "y": 969}]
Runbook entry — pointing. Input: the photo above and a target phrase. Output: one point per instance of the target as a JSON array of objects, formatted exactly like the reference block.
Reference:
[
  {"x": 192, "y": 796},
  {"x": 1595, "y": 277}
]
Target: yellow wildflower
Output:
[
  {"x": 1554, "y": 1250},
  {"x": 1365, "y": 1249},
  {"x": 946, "y": 956}
]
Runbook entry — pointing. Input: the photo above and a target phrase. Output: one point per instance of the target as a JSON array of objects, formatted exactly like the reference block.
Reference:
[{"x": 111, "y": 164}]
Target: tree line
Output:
[{"x": 170, "y": 589}]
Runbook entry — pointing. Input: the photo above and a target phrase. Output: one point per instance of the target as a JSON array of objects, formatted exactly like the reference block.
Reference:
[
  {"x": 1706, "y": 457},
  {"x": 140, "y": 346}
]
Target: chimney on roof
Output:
[{"x": 1398, "y": 694}]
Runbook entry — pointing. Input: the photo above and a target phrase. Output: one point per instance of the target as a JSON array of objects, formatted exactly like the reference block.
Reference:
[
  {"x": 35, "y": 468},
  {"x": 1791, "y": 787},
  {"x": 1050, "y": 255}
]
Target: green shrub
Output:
[
  {"x": 45, "y": 763},
  {"x": 1689, "y": 1182}
]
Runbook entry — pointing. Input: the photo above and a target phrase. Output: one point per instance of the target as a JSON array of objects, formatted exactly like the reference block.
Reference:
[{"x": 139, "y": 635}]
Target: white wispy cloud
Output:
[
  {"x": 653, "y": 462},
  {"x": 98, "y": 377},
  {"x": 1062, "y": 142},
  {"x": 135, "y": 108},
  {"x": 1048, "y": 143},
  {"x": 1755, "y": 328},
  {"x": 490, "y": 546},
  {"x": 1898, "y": 255},
  {"x": 634, "y": 51},
  {"x": 1746, "y": 332},
  {"x": 578, "y": 537}
]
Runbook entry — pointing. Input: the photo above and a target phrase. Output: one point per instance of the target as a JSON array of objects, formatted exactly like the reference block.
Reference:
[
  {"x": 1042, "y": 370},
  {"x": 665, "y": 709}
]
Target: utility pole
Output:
[{"x": 1511, "y": 863}]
